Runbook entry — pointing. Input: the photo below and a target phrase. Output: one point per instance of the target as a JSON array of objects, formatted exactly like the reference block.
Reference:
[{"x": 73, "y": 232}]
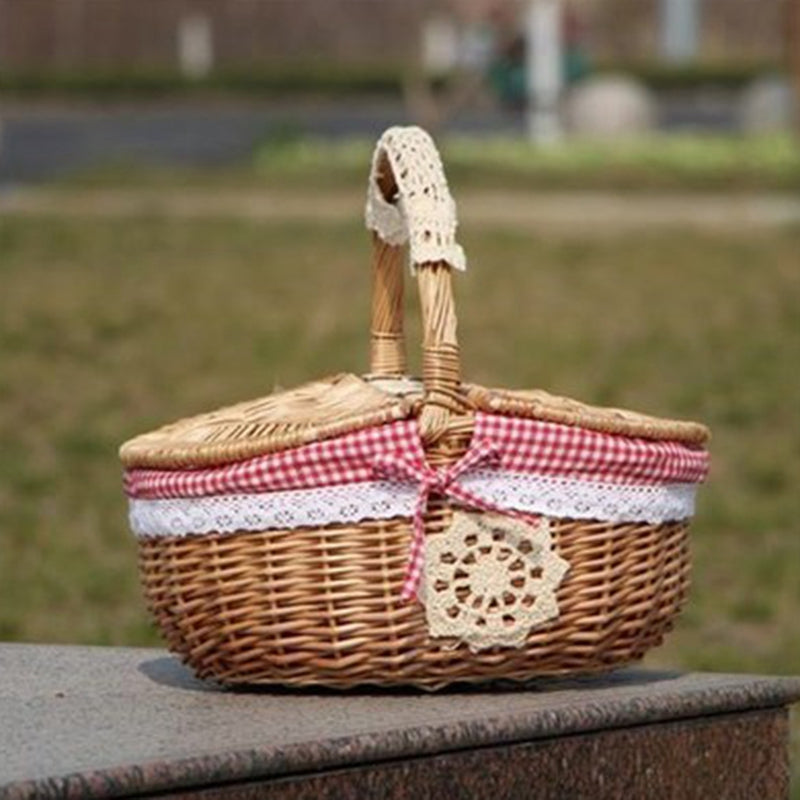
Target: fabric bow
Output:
[{"x": 402, "y": 467}]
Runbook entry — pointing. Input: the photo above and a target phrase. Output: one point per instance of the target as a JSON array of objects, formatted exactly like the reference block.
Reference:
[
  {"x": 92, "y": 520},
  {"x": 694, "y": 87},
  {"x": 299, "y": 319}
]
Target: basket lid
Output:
[
  {"x": 541, "y": 405},
  {"x": 313, "y": 411}
]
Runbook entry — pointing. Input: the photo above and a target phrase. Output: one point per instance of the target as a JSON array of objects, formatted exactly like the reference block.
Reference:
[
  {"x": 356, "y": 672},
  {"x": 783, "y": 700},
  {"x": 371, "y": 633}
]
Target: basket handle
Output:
[{"x": 408, "y": 201}]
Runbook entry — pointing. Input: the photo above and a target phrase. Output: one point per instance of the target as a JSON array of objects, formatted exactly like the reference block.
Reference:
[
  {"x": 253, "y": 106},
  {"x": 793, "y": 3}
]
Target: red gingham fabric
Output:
[
  {"x": 345, "y": 459},
  {"x": 404, "y": 468},
  {"x": 546, "y": 448},
  {"x": 522, "y": 445}
]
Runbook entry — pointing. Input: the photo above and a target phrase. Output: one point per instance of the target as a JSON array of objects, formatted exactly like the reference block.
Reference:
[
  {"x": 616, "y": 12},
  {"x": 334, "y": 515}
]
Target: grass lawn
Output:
[{"x": 111, "y": 326}]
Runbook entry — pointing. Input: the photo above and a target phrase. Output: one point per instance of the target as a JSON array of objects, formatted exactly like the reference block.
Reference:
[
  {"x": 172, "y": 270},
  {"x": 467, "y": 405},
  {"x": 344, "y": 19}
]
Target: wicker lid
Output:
[
  {"x": 313, "y": 411},
  {"x": 538, "y": 404}
]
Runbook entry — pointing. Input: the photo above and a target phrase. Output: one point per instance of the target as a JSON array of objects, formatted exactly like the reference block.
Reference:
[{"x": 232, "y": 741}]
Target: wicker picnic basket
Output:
[{"x": 387, "y": 530}]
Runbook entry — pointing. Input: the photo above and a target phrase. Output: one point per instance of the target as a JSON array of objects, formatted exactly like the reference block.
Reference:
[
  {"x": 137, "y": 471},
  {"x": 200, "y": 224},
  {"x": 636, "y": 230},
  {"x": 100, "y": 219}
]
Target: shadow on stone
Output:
[
  {"x": 169, "y": 671},
  {"x": 608, "y": 680}
]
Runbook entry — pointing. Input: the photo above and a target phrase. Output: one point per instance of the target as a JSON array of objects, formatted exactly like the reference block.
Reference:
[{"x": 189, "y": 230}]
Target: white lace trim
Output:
[
  {"x": 354, "y": 502},
  {"x": 425, "y": 212},
  {"x": 567, "y": 497}
]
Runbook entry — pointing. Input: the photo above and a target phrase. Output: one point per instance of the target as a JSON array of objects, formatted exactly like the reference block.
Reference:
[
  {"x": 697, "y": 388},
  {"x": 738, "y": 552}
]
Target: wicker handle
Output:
[{"x": 426, "y": 214}]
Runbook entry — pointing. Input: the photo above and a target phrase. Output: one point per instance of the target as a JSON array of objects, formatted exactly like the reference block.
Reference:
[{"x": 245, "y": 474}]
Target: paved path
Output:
[
  {"x": 47, "y": 141},
  {"x": 596, "y": 212},
  {"x": 44, "y": 140}
]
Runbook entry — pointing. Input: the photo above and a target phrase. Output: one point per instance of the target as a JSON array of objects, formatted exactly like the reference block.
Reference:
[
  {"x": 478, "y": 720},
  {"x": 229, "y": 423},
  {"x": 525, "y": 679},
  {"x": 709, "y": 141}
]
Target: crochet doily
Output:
[
  {"x": 424, "y": 214},
  {"x": 490, "y": 579}
]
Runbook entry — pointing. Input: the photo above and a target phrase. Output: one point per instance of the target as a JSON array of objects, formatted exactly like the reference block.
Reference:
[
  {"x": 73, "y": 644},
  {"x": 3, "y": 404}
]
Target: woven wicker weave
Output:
[{"x": 322, "y": 605}]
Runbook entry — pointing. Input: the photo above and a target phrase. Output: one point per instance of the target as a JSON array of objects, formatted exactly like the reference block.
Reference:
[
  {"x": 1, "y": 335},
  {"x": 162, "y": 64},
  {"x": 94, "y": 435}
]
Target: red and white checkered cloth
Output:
[
  {"x": 522, "y": 445},
  {"x": 395, "y": 451},
  {"x": 546, "y": 448},
  {"x": 345, "y": 459}
]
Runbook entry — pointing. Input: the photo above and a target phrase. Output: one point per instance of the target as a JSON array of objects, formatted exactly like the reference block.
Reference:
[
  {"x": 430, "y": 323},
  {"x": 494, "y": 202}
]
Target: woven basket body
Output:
[{"x": 255, "y": 602}]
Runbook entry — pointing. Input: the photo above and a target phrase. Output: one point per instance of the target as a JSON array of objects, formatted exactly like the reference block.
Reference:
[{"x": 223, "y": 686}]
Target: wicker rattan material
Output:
[
  {"x": 322, "y": 606},
  {"x": 541, "y": 405}
]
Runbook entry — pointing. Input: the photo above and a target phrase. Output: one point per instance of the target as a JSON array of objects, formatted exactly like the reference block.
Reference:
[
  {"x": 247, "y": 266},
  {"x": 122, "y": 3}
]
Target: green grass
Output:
[
  {"x": 288, "y": 157},
  {"x": 110, "y": 327},
  {"x": 308, "y": 79}
]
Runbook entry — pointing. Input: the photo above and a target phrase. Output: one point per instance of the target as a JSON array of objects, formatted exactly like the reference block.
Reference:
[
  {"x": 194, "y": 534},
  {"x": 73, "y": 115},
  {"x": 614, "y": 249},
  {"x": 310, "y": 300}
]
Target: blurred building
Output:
[
  {"x": 200, "y": 35},
  {"x": 726, "y": 30}
]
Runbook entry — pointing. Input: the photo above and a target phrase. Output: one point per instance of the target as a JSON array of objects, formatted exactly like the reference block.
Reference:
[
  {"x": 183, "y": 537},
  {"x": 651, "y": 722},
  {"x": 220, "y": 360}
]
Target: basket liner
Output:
[{"x": 512, "y": 464}]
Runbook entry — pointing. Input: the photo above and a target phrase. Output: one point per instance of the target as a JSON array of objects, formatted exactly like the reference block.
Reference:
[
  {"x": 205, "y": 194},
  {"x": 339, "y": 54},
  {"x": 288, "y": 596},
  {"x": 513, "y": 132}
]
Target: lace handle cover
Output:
[{"x": 408, "y": 202}]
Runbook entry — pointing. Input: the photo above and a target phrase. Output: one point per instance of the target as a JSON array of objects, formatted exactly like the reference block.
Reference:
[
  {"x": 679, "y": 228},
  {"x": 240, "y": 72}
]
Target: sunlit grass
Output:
[{"x": 675, "y": 161}]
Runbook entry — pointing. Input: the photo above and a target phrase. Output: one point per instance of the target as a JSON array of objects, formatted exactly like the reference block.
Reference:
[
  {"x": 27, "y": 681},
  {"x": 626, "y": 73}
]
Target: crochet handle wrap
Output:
[{"x": 409, "y": 202}]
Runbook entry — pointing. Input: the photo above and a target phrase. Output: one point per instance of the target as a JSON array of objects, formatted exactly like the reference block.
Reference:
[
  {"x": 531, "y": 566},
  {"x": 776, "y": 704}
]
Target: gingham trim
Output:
[
  {"x": 521, "y": 445},
  {"x": 548, "y": 448},
  {"x": 344, "y": 459},
  {"x": 443, "y": 481}
]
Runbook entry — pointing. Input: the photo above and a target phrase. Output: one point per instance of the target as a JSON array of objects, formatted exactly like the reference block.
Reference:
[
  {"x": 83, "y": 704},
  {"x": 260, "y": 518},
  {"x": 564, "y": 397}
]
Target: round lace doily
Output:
[{"x": 490, "y": 579}]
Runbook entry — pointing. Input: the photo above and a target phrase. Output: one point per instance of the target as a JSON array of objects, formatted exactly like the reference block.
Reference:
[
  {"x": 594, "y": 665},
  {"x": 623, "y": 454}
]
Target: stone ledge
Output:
[{"x": 114, "y": 722}]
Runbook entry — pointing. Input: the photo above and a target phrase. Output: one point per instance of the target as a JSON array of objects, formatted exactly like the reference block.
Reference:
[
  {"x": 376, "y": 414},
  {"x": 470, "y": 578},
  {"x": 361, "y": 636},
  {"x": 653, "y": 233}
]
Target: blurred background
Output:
[
  {"x": 88, "y": 82},
  {"x": 181, "y": 192}
]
